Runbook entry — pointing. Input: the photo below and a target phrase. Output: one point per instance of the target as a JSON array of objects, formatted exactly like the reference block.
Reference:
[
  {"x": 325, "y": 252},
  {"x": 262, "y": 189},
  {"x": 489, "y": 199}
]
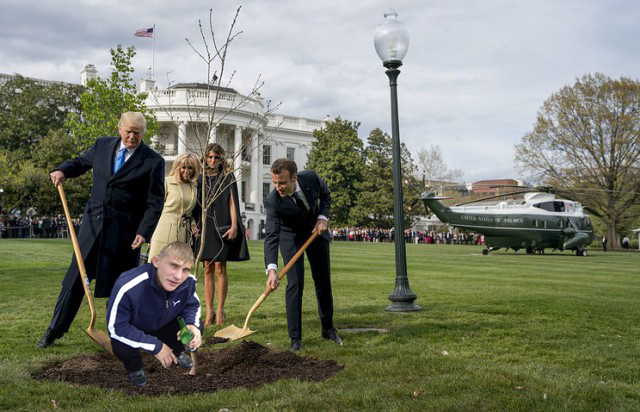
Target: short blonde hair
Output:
[
  {"x": 178, "y": 250},
  {"x": 135, "y": 117},
  {"x": 188, "y": 159}
]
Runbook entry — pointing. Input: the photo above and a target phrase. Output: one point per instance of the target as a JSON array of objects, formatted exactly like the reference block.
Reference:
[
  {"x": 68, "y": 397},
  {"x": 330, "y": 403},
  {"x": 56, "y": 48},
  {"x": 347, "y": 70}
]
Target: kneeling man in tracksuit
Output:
[{"x": 143, "y": 309}]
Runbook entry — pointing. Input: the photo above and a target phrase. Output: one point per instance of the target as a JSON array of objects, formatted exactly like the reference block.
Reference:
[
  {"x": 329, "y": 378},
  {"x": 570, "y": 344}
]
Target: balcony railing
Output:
[{"x": 202, "y": 99}]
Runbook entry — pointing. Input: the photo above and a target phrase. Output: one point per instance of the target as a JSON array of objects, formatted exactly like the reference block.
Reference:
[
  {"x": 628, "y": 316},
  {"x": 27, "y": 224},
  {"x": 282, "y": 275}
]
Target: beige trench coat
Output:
[{"x": 180, "y": 199}]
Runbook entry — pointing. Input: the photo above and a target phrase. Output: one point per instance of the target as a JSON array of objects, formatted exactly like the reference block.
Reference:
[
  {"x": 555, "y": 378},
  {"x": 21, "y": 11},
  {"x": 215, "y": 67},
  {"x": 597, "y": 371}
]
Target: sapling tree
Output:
[{"x": 208, "y": 108}]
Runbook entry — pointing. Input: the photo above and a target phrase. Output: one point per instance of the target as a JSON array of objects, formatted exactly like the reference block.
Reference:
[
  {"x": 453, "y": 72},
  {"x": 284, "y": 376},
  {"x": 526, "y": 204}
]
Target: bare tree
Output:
[
  {"x": 210, "y": 107},
  {"x": 215, "y": 104},
  {"x": 587, "y": 140},
  {"x": 433, "y": 169}
]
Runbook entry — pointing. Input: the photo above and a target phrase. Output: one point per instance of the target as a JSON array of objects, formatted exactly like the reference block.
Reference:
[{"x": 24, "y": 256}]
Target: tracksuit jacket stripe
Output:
[
  {"x": 138, "y": 306},
  {"x": 195, "y": 322},
  {"x": 114, "y": 311}
]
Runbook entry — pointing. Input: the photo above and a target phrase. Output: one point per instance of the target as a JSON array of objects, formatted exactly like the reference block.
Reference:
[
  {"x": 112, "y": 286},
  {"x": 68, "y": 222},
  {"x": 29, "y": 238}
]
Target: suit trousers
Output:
[
  {"x": 318, "y": 256},
  {"x": 131, "y": 357},
  {"x": 69, "y": 300}
]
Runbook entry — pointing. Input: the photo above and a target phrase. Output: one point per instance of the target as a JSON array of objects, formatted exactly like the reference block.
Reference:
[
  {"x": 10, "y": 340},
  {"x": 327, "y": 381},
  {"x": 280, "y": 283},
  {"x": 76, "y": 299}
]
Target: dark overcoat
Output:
[
  {"x": 121, "y": 206},
  {"x": 219, "y": 216}
]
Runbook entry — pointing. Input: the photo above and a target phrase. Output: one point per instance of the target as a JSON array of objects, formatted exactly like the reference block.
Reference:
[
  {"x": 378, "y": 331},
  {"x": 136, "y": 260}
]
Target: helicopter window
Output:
[
  {"x": 558, "y": 206},
  {"x": 548, "y": 206},
  {"x": 585, "y": 223}
]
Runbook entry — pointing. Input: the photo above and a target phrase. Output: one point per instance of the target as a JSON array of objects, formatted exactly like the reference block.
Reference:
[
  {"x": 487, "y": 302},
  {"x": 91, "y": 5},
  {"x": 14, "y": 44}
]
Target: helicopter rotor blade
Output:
[
  {"x": 492, "y": 197},
  {"x": 570, "y": 189}
]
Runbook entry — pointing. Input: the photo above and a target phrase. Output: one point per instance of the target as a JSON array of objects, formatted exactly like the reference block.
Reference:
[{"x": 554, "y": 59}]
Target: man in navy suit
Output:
[
  {"x": 298, "y": 205},
  {"x": 125, "y": 204}
]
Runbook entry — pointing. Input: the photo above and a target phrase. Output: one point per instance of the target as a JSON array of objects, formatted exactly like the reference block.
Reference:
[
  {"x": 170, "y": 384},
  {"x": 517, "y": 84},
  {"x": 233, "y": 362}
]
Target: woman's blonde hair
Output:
[
  {"x": 186, "y": 159},
  {"x": 217, "y": 149}
]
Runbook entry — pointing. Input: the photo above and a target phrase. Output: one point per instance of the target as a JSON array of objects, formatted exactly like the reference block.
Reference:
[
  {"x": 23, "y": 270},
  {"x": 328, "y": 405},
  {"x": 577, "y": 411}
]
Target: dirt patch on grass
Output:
[{"x": 246, "y": 365}]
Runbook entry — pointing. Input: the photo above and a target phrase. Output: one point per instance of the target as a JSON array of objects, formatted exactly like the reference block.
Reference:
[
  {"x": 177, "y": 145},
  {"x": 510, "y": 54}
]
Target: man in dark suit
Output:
[
  {"x": 298, "y": 205},
  {"x": 125, "y": 204}
]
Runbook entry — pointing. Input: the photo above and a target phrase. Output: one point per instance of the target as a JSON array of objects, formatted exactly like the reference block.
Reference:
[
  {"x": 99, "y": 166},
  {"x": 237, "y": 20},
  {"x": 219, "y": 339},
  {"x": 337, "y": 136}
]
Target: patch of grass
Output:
[{"x": 505, "y": 331}]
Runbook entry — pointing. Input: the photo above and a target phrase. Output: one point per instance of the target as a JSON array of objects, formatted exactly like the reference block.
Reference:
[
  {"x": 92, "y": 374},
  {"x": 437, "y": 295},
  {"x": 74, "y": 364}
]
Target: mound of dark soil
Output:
[{"x": 247, "y": 365}]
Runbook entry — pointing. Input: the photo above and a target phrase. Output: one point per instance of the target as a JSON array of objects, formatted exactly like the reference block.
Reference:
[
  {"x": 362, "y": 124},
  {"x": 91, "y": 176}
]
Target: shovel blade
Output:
[
  {"x": 233, "y": 332},
  {"x": 100, "y": 338}
]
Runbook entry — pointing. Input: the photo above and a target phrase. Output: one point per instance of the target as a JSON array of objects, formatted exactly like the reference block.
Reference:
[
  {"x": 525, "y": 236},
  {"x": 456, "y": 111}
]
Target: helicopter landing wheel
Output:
[
  {"x": 485, "y": 251},
  {"x": 582, "y": 252},
  {"x": 530, "y": 251}
]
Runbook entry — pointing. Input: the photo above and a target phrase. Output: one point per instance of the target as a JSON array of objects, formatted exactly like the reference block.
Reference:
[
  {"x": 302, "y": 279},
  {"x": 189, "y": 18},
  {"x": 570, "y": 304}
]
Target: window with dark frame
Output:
[
  {"x": 266, "y": 189},
  {"x": 266, "y": 155}
]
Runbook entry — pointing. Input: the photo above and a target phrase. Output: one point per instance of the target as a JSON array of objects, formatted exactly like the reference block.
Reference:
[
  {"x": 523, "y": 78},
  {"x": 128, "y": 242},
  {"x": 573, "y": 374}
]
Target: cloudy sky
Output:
[{"x": 472, "y": 81}]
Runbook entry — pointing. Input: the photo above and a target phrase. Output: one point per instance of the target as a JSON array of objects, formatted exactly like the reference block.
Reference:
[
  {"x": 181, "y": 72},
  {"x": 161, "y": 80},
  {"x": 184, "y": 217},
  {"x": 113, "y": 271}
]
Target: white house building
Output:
[{"x": 252, "y": 137}]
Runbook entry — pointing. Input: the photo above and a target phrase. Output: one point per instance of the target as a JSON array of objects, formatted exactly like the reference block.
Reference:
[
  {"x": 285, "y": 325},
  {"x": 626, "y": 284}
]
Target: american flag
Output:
[{"x": 144, "y": 32}]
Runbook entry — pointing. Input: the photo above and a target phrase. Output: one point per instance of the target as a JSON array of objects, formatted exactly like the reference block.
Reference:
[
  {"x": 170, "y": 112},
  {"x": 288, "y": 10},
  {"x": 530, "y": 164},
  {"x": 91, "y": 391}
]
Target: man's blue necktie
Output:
[{"x": 122, "y": 153}]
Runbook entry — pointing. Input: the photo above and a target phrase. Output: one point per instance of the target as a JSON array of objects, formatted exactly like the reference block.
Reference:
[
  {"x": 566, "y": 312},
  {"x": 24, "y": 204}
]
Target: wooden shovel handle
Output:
[
  {"x": 293, "y": 260},
  {"x": 268, "y": 290},
  {"x": 78, "y": 253}
]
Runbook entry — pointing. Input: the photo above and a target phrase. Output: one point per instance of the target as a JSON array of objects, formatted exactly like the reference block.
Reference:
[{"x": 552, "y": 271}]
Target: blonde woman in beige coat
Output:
[{"x": 180, "y": 199}]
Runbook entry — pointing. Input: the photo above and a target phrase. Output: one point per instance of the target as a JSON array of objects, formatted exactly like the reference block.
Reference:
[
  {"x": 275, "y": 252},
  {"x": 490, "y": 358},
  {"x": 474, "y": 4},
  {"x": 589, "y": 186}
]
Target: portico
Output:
[{"x": 191, "y": 115}]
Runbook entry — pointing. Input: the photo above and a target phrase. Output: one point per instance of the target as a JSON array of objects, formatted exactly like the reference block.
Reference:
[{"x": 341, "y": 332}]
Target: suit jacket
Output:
[
  {"x": 121, "y": 205},
  {"x": 284, "y": 218}
]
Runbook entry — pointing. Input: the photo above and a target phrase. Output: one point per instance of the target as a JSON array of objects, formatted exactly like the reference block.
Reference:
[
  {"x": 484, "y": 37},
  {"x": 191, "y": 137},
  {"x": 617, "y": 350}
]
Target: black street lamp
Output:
[{"x": 392, "y": 41}]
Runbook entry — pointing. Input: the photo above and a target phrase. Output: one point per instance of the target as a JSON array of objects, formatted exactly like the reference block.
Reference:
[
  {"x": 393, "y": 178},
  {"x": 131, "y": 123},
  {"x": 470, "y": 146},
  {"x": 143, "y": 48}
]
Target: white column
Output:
[
  {"x": 182, "y": 138},
  {"x": 237, "y": 162},
  {"x": 213, "y": 137},
  {"x": 256, "y": 165}
]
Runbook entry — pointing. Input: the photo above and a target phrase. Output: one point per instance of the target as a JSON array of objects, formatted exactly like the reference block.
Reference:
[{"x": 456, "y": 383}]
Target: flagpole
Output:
[{"x": 153, "y": 54}]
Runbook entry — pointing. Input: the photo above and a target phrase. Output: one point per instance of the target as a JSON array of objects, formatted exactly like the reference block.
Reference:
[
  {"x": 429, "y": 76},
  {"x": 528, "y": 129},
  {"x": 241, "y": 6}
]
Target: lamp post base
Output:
[
  {"x": 403, "y": 307},
  {"x": 402, "y": 298}
]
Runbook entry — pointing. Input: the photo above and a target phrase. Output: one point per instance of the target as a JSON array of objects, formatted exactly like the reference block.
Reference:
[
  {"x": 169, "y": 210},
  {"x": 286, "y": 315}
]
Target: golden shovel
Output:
[
  {"x": 233, "y": 332},
  {"x": 99, "y": 336}
]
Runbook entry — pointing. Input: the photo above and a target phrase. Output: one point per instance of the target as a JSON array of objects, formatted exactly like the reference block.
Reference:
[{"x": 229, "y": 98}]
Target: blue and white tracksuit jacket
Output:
[{"x": 138, "y": 305}]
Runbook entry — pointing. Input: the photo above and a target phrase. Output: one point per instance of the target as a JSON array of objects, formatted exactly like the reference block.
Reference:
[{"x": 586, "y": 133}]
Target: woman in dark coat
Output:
[{"x": 224, "y": 234}]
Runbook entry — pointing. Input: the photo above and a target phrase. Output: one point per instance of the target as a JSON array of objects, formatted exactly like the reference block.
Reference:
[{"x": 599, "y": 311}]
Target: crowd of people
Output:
[
  {"x": 15, "y": 225},
  {"x": 358, "y": 234}
]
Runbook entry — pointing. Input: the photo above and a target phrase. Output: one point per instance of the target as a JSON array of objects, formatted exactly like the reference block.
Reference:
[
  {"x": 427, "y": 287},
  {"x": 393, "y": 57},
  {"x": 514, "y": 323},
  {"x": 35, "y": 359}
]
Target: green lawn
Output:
[{"x": 500, "y": 332}]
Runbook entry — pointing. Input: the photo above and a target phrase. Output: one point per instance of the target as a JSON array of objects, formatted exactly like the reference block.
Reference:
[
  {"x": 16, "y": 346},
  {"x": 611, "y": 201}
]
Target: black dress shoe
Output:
[
  {"x": 47, "y": 339},
  {"x": 332, "y": 334},
  {"x": 138, "y": 378},
  {"x": 296, "y": 345}
]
